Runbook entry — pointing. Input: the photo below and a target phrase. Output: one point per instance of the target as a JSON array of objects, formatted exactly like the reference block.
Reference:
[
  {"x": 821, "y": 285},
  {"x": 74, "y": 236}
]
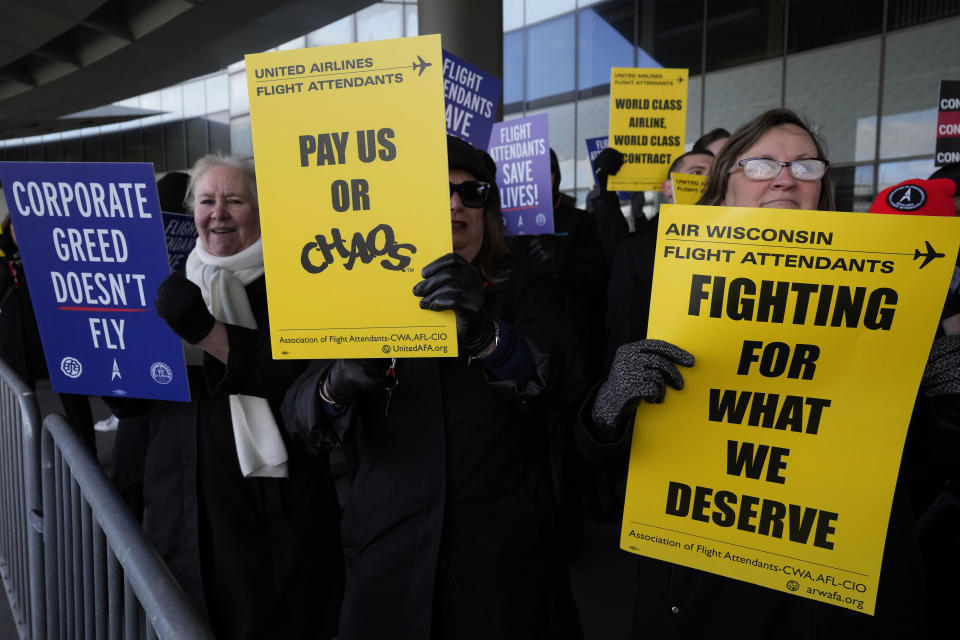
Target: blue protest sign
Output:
[
  {"x": 594, "y": 147},
  {"x": 91, "y": 239},
  {"x": 521, "y": 149},
  {"x": 181, "y": 235},
  {"x": 470, "y": 97}
]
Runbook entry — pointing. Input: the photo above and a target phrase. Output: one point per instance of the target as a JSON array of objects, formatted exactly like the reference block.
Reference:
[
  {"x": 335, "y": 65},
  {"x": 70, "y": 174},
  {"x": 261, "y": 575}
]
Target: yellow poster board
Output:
[
  {"x": 350, "y": 147},
  {"x": 687, "y": 187},
  {"x": 776, "y": 463},
  {"x": 648, "y": 120}
]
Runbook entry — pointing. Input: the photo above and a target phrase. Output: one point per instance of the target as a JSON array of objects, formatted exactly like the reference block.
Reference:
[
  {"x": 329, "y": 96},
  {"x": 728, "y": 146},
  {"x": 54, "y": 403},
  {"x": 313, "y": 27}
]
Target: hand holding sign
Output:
[
  {"x": 450, "y": 282},
  {"x": 180, "y": 303}
]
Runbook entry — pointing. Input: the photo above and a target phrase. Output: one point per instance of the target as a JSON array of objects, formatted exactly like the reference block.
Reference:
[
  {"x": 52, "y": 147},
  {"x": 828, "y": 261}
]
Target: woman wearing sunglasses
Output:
[
  {"x": 448, "y": 528},
  {"x": 773, "y": 161}
]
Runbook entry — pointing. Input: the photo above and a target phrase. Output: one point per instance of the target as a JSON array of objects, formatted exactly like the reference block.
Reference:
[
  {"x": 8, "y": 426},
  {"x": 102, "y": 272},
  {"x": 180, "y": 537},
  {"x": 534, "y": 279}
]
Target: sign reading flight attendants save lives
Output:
[
  {"x": 948, "y": 124},
  {"x": 471, "y": 100},
  {"x": 354, "y": 196},
  {"x": 521, "y": 149},
  {"x": 91, "y": 238},
  {"x": 776, "y": 463},
  {"x": 648, "y": 120}
]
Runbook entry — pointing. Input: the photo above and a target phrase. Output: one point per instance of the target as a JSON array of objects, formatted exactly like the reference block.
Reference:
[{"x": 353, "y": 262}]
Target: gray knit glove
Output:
[
  {"x": 641, "y": 370},
  {"x": 942, "y": 374}
]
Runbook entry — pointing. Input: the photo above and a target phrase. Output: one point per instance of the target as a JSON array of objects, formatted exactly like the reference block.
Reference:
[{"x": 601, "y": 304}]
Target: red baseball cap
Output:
[{"x": 917, "y": 197}]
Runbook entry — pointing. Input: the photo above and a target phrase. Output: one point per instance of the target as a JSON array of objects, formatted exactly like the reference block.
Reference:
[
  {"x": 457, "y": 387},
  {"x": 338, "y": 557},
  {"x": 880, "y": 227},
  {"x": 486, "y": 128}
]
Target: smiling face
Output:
[
  {"x": 466, "y": 222},
  {"x": 225, "y": 211},
  {"x": 784, "y": 143}
]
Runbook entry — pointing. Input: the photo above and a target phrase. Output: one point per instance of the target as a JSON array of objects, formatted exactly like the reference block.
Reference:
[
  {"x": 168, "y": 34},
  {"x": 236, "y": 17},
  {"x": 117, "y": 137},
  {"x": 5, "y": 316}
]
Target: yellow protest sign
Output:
[
  {"x": 687, "y": 187},
  {"x": 648, "y": 119},
  {"x": 776, "y": 463},
  {"x": 350, "y": 146}
]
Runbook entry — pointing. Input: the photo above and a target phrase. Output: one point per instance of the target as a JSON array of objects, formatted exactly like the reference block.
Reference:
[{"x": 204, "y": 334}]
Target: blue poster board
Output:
[
  {"x": 521, "y": 149},
  {"x": 594, "y": 147},
  {"x": 470, "y": 100},
  {"x": 92, "y": 244},
  {"x": 181, "y": 235}
]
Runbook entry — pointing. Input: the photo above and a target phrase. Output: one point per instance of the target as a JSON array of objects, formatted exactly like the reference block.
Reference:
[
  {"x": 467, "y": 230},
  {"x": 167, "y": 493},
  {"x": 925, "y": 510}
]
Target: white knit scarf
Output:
[{"x": 260, "y": 448}]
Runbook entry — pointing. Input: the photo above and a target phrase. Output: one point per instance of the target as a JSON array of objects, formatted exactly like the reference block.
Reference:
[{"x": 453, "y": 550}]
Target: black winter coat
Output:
[
  {"x": 448, "y": 532},
  {"x": 259, "y": 555}
]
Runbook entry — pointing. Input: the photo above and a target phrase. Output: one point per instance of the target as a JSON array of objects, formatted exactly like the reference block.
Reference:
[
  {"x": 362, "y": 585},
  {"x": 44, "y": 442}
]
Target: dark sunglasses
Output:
[{"x": 473, "y": 193}]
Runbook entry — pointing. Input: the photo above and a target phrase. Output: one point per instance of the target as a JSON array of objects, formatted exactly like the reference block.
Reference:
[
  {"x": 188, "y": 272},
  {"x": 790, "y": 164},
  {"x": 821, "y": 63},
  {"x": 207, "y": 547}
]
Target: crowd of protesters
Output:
[{"x": 443, "y": 498}]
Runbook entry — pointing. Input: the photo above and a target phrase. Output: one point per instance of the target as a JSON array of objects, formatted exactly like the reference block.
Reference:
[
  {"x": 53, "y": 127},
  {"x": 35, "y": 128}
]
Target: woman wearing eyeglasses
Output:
[
  {"x": 775, "y": 161},
  {"x": 448, "y": 528}
]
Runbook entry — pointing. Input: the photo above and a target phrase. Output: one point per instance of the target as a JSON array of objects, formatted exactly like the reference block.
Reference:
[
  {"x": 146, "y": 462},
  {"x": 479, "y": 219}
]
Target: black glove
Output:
[
  {"x": 543, "y": 249},
  {"x": 607, "y": 163},
  {"x": 347, "y": 379},
  {"x": 942, "y": 373},
  {"x": 641, "y": 370},
  {"x": 180, "y": 303},
  {"x": 450, "y": 282}
]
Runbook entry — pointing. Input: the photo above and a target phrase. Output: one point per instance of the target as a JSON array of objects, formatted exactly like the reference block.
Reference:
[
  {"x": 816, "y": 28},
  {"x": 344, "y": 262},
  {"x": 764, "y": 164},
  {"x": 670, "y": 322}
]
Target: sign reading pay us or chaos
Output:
[
  {"x": 648, "y": 119},
  {"x": 352, "y": 178},
  {"x": 776, "y": 463}
]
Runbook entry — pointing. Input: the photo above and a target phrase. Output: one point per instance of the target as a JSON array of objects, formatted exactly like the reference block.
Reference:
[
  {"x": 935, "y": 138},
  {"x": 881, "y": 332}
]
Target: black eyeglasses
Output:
[
  {"x": 473, "y": 193},
  {"x": 768, "y": 169}
]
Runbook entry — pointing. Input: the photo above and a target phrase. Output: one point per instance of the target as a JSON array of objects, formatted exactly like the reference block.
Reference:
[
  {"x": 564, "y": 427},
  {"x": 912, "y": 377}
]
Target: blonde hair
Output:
[{"x": 212, "y": 161}]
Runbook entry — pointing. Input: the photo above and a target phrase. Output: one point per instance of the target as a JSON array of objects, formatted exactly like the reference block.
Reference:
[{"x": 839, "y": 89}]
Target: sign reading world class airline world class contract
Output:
[
  {"x": 648, "y": 119},
  {"x": 93, "y": 250},
  {"x": 354, "y": 199},
  {"x": 776, "y": 463}
]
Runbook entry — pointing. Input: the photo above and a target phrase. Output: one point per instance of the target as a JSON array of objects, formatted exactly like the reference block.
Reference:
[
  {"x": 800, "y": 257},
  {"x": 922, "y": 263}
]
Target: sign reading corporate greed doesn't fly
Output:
[{"x": 352, "y": 178}]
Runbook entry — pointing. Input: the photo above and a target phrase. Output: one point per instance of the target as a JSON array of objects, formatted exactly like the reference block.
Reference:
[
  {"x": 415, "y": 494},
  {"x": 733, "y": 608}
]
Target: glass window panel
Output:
[
  {"x": 671, "y": 32},
  {"x": 241, "y": 139},
  {"x": 171, "y": 103},
  {"x": 237, "y": 66},
  {"x": 906, "y": 13},
  {"x": 917, "y": 59},
  {"x": 217, "y": 92},
  {"x": 194, "y": 101},
  {"x": 296, "y": 43},
  {"x": 818, "y": 23},
  {"x": 742, "y": 31},
  {"x": 112, "y": 148},
  {"x": 153, "y": 147},
  {"x": 893, "y": 172},
  {"x": 550, "y": 58},
  {"x": 593, "y": 121},
  {"x": 412, "y": 20},
  {"x": 132, "y": 145},
  {"x": 512, "y": 14},
  {"x": 239, "y": 98},
  {"x": 560, "y": 120},
  {"x": 538, "y": 10},
  {"x": 587, "y": 3},
  {"x": 129, "y": 102},
  {"x": 854, "y": 187},
  {"x": 175, "y": 146},
  {"x": 512, "y": 67},
  {"x": 734, "y": 96},
  {"x": 151, "y": 101},
  {"x": 93, "y": 150},
  {"x": 53, "y": 150},
  {"x": 196, "y": 129},
  {"x": 604, "y": 40},
  {"x": 379, "y": 22},
  {"x": 836, "y": 103},
  {"x": 220, "y": 134},
  {"x": 35, "y": 153},
  {"x": 339, "y": 32}
]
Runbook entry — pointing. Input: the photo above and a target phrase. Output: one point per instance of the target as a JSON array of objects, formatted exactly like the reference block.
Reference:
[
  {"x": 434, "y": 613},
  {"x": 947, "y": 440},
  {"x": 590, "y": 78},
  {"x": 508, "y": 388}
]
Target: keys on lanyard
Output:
[{"x": 394, "y": 381}]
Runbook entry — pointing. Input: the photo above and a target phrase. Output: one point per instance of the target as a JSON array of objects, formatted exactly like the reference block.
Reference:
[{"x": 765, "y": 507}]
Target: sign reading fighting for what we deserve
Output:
[
  {"x": 354, "y": 198},
  {"x": 648, "y": 120},
  {"x": 776, "y": 463},
  {"x": 521, "y": 149},
  {"x": 91, "y": 238}
]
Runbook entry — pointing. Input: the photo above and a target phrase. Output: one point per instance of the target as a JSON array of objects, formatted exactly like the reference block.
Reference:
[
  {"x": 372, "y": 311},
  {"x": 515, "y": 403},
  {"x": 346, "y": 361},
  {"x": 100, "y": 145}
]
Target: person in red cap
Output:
[{"x": 918, "y": 197}]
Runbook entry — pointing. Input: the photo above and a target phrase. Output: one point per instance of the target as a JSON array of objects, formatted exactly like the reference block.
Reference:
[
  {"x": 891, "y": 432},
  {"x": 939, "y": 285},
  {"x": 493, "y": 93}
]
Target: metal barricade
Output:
[
  {"x": 21, "y": 546},
  {"x": 103, "y": 578}
]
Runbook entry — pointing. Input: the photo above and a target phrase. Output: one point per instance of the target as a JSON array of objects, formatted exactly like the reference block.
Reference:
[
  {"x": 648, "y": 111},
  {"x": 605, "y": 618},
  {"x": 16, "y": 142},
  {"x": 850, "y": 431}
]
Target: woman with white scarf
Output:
[{"x": 246, "y": 522}]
